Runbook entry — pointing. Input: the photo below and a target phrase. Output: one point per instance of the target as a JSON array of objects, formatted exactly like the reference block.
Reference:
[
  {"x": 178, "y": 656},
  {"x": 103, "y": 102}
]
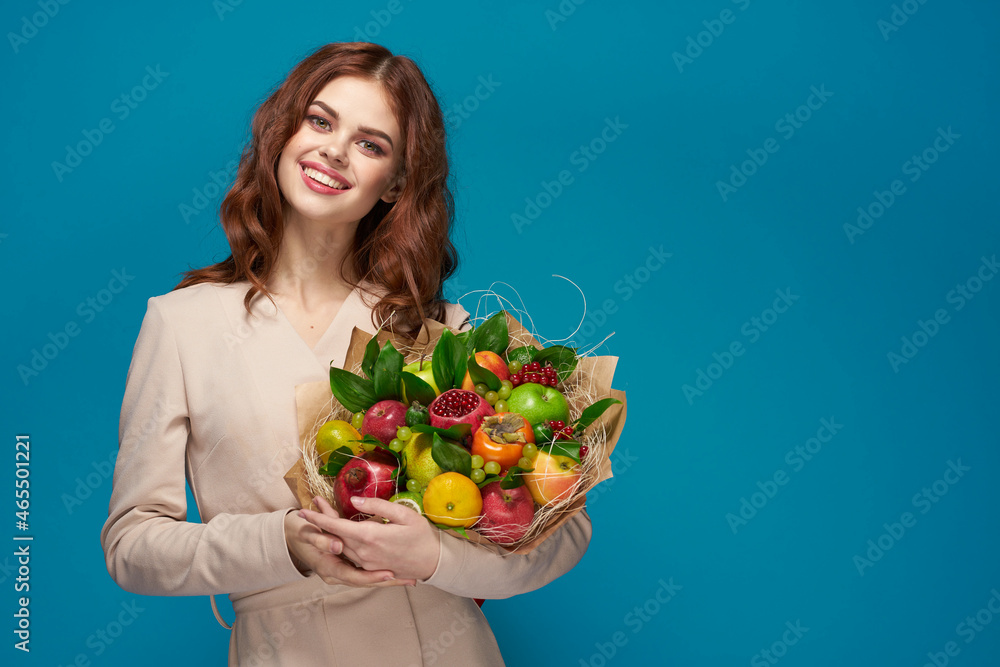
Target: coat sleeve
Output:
[
  {"x": 149, "y": 546},
  {"x": 490, "y": 572}
]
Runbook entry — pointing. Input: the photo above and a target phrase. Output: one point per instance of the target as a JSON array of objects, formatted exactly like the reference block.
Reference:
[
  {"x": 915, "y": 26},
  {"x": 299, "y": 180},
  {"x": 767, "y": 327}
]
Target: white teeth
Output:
[{"x": 320, "y": 177}]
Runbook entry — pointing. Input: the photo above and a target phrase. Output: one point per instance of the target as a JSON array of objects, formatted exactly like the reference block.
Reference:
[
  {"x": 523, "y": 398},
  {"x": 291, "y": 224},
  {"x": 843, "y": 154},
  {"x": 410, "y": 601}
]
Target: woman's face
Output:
[{"x": 345, "y": 156}]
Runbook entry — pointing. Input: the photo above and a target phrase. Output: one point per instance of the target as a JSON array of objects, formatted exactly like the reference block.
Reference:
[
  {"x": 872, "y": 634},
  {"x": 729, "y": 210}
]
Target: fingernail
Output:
[
  {"x": 357, "y": 500},
  {"x": 390, "y": 578},
  {"x": 302, "y": 513}
]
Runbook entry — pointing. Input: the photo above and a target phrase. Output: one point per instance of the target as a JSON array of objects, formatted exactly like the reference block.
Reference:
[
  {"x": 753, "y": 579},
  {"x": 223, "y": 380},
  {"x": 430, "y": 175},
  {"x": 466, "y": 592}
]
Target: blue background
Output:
[{"x": 691, "y": 459}]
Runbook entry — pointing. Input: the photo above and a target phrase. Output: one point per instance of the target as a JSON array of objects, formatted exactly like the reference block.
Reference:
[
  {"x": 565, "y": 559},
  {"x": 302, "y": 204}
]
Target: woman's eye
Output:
[
  {"x": 370, "y": 146},
  {"x": 319, "y": 122}
]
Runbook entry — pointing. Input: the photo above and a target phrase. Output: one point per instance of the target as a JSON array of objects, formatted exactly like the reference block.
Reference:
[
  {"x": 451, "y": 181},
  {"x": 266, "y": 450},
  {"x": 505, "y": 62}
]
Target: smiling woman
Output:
[{"x": 339, "y": 219}]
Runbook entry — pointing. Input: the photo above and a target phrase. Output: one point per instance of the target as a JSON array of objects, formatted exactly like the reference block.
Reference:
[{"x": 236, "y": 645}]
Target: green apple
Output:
[
  {"x": 422, "y": 369},
  {"x": 538, "y": 404}
]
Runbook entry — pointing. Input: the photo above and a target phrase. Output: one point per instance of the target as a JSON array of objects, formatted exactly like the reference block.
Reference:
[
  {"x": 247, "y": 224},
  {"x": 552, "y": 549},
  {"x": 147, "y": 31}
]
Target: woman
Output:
[{"x": 339, "y": 218}]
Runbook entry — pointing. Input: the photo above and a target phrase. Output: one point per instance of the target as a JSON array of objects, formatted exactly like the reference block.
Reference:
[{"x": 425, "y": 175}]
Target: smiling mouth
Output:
[{"x": 323, "y": 179}]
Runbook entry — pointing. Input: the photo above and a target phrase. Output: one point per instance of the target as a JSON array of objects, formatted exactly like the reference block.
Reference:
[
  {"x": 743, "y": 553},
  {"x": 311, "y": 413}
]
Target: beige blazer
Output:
[{"x": 210, "y": 398}]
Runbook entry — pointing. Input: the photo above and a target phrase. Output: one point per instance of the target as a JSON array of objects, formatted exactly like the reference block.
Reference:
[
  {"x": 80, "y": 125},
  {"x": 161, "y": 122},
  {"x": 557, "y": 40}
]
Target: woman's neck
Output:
[{"x": 308, "y": 268}]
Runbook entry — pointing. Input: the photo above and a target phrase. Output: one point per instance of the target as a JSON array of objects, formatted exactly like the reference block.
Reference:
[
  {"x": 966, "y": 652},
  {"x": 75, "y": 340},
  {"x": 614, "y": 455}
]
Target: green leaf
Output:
[
  {"x": 514, "y": 477},
  {"x": 492, "y": 334},
  {"x": 443, "y": 361},
  {"x": 458, "y": 432},
  {"x": 354, "y": 393},
  {"x": 467, "y": 339},
  {"x": 569, "y": 448},
  {"x": 417, "y": 389},
  {"x": 591, "y": 414},
  {"x": 460, "y": 530},
  {"x": 489, "y": 479},
  {"x": 450, "y": 456},
  {"x": 371, "y": 354},
  {"x": 525, "y": 354},
  {"x": 562, "y": 358},
  {"x": 387, "y": 369},
  {"x": 482, "y": 375},
  {"x": 338, "y": 459}
]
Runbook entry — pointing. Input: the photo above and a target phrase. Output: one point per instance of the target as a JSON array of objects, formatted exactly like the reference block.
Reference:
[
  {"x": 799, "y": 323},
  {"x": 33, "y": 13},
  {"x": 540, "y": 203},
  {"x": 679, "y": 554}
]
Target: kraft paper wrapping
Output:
[{"x": 316, "y": 405}]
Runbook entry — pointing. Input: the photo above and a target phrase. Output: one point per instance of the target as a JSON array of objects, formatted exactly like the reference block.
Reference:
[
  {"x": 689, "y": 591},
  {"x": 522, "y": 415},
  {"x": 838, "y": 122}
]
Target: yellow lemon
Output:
[
  {"x": 453, "y": 499},
  {"x": 337, "y": 433}
]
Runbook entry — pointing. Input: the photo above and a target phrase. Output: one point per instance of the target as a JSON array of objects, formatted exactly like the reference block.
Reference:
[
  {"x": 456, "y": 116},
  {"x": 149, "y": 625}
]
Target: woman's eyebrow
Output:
[{"x": 366, "y": 130}]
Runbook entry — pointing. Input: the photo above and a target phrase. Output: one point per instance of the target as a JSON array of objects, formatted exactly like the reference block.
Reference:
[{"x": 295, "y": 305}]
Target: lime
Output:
[{"x": 409, "y": 499}]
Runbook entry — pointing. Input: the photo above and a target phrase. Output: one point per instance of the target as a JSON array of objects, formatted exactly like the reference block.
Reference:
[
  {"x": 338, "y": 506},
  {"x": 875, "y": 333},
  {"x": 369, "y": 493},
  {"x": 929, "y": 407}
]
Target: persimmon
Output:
[{"x": 501, "y": 438}]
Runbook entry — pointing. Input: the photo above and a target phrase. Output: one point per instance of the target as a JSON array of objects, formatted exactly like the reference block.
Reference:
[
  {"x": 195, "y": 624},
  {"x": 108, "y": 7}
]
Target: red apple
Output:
[
  {"x": 507, "y": 513},
  {"x": 491, "y": 361},
  {"x": 538, "y": 403},
  {"x": 553, "y": 479},
  {"x": 368, "y": 476},
  {"x": 382, "y": 419}
]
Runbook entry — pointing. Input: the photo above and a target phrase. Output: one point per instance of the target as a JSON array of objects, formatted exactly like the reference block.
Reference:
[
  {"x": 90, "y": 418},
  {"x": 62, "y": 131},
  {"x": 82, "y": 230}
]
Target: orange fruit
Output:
[
  {"x": 337, "y": 433},
  {"x": 453, "y": 499}
]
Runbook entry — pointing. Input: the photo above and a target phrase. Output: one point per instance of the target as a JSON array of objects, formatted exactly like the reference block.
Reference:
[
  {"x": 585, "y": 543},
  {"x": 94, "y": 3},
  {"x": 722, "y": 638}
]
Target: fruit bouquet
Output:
[{"x": 485, "y": 432}]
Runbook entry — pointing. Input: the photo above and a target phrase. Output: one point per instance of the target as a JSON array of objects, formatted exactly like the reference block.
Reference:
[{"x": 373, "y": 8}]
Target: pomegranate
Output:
[
  {"x": 369, "y": 476},
  {"x": 458, "y": 406},
  {"x": 382, "y": 419},
  {"x": 507, "y": 513}
]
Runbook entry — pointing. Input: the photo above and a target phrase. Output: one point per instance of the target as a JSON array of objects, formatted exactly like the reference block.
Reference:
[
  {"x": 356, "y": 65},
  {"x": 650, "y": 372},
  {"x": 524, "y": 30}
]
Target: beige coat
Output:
[{"x": 210, "y": 398}]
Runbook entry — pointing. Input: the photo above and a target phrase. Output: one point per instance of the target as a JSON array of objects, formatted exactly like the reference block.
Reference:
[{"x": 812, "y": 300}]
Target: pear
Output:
[{"x": 420, "y": 464}]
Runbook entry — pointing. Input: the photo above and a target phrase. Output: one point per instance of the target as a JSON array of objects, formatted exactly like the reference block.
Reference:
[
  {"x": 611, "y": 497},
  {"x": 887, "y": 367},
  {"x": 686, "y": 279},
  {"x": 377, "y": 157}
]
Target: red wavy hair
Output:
[{"x": 403, "y": 247}]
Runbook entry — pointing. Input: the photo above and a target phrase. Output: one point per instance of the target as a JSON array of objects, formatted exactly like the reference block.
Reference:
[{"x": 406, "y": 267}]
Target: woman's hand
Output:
[
  {"x": 408, "y": 545},
  {"x": 310, "y": 549}
]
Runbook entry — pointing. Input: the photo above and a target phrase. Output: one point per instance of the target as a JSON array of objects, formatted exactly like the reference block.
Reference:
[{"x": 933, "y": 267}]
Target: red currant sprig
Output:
[
  {"x": 534, "y": 372},
  {"x": 560, "y": 430}
]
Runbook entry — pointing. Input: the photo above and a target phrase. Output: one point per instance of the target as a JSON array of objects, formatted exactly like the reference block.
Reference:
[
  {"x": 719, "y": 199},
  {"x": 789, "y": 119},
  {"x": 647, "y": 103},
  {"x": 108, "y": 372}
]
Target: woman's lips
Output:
[{"x": 316, "y": 186}]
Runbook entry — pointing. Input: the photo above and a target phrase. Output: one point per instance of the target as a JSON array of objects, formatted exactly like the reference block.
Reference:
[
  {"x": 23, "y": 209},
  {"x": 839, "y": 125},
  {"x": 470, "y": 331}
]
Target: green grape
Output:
[
  {"x": 505, "y": 388},
  {"x": 477, "y": 475},
  {"x": 357, "y": 419},
  {"x": 477, "y": 461},
  {"x": 492, "y": 468},
  {"x": 396, "y": 445},
  {"x": 491, "y": 397},
  {"x": 515, "y": 367},
  {"x": 481, "y": 389},
  {"x": 500, "y": 406},
  {"x": 525, "y": 464},
  {"x": 529, "y": 451},
  {"x": 413, "y": 486},
  {"x": 404, "y": 433}
]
